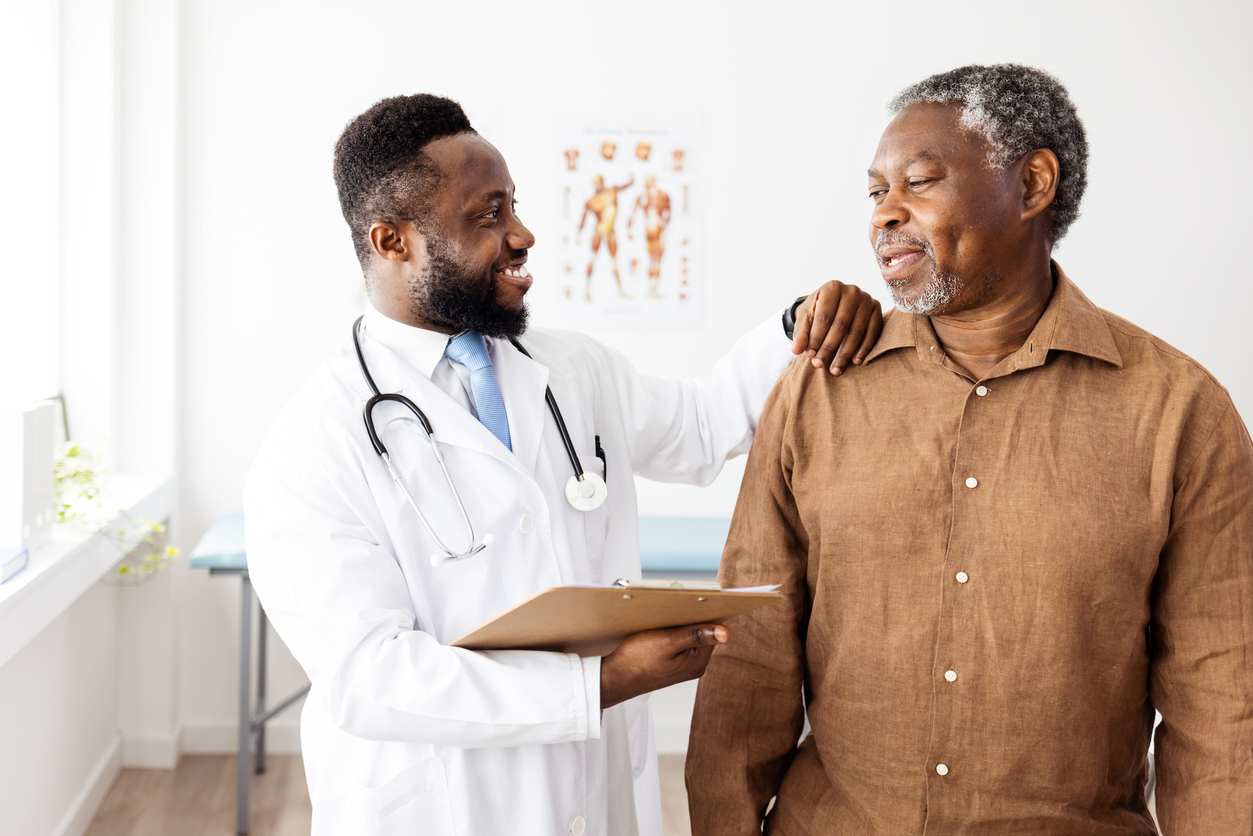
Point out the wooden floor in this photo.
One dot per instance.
(674, 819)
(198, 799)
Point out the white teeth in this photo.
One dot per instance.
(893, 260)
(519, 272)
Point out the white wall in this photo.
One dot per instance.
(59, 736)
(91, 692)
(792, 100)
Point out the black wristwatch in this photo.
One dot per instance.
(789, 317)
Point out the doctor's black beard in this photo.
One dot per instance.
(453, 294)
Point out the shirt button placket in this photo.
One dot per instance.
(950, 675)
(959, 510)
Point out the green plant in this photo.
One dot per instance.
(82, 500)
(149, 552)
(79, 488)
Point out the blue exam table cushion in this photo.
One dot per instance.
(682, 544)
(222, 546)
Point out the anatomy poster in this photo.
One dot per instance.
(628, 222)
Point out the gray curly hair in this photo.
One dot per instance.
(1017, 109)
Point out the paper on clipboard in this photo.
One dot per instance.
(593, 620)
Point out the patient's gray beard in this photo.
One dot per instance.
(940, 289)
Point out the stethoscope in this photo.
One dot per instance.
(584, 491)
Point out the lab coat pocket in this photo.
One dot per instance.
(421, 791)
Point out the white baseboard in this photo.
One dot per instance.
(155, 752)
(84, 806)
(281, 738)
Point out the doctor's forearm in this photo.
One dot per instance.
(496, 699)
(686, 430)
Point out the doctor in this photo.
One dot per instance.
(402, 734)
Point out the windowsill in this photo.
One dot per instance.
(61, 570)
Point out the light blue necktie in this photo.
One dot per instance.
(470, 350)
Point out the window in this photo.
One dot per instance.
(30, 232)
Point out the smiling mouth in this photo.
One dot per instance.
(899, 253)
(899, 265)
(900, 258)
(519, 272)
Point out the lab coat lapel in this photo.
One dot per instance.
(522, 382)
(450, 422)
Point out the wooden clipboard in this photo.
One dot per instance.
(593, 621)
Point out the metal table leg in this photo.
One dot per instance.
(250, 723)
(245, 708)
(262, 622)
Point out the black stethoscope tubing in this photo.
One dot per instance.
(379, 397)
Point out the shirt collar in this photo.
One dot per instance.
(1070, 322)
(420, 348)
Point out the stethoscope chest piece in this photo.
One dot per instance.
(587, 494)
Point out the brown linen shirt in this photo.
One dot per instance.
(989, 588)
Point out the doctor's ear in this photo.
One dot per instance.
(388, 242)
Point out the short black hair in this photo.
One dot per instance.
(381, 171)
(1017, 109)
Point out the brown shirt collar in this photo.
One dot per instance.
(1070, 323)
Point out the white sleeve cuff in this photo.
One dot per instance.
(591, 682)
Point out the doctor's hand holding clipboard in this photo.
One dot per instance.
(646, 630)
(657, 659)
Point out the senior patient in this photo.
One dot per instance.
(1015, 531)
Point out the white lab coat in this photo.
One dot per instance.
(402, 734)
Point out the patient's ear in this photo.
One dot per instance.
(1040, 171)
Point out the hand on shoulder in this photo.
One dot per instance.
(837, 323)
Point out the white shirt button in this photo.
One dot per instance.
(527, 524)
(962, 577)
(941, 769)
(981, 391)
(951, 676)
(971, 482)
(579, 826)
